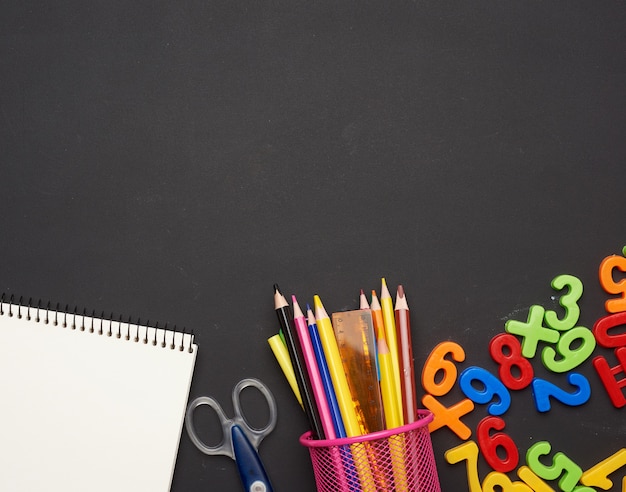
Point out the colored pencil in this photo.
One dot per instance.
(363, 304)
(342, 390)
(405, 351)
(386, 304)
(377, 315)
(387, 387)
(279, 350)
(340, 430)
(317, 386)
(339, 455)
(335, 367)
(285, 318)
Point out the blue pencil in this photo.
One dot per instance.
(352, 476)
(325, 374)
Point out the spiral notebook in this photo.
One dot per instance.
(89, 404)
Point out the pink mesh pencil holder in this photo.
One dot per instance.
(400, 460)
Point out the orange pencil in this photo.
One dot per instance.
(377, 315)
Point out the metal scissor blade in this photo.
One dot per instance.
(251, 471)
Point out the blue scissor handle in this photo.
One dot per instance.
(251, 470)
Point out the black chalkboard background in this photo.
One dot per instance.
(172, 160)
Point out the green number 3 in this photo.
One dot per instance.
(568, 301)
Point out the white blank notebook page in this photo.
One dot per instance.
(83, 411)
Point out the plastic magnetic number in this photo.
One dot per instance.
(561, 465)
(532, 480)
(598, 475)
(449, 416)
(532, 331)
(516, 372)
(467, 451)
(603, 325)
(491, 387)
(437, 364)
(543, 390)
(610, 376)
(569, 358)
(490, 443)
(496, 481)
(609, 285)
(568, 301)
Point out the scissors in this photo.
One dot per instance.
(240, 440)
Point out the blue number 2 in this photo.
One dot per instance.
(543, 390)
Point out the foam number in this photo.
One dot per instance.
(467, 451)
(491, 387)
(449, 416)
(439, 374)
(608, 283)
(496, 481)
(598, 475)
(613, 378)
(532, 331)
(569, 302)
(603, 325)
(570, 358)
(515, 371)
(494, 446)
(544, 390)
(561, 465)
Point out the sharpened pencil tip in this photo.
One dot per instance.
(297, 312)
(279, 298)
(320, 312)
(401, 299)
(363, 304)
(384, 291)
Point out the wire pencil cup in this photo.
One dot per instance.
(400, 460)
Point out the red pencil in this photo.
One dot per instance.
(405, 354)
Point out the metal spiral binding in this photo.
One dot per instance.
(102, 325)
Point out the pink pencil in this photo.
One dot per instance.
(310, 361)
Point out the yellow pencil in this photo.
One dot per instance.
(282, 356)
(393, 417)
(387, 389)
(342, 392)
(389, 319)
(335, 368)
